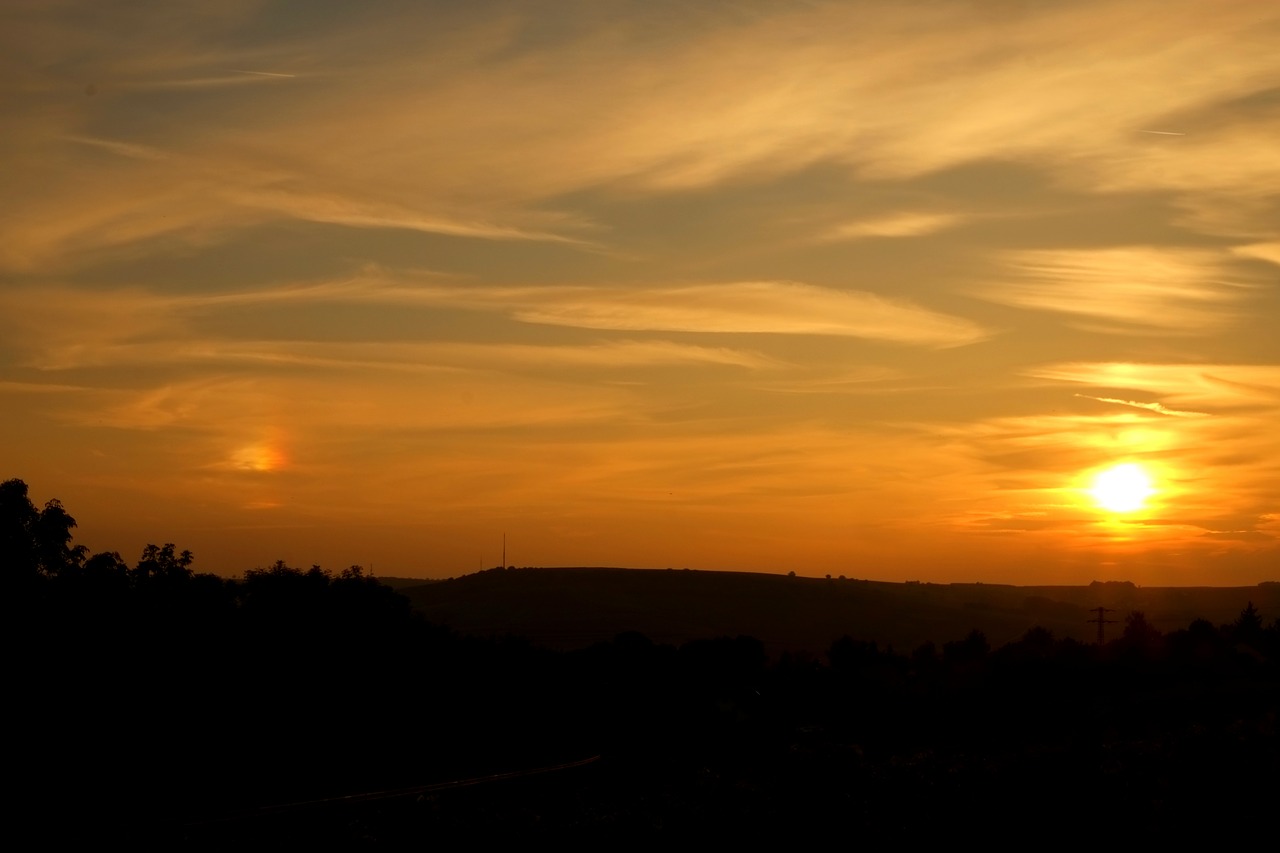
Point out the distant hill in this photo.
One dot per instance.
(404, 583)
(567, 608)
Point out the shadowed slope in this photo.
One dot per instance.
(574, 607)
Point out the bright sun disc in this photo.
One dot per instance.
(1122, 488)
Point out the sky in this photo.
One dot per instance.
(874, 288)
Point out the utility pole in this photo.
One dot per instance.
(1101, 619)
(504, 550)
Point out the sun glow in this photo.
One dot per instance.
(262, 457)
(1122, 488)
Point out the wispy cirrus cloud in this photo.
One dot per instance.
(1213, 472)
(509, 356)
(1211, 475)
(860, 380)
(152, 193)
(234, 405)
(355, 212)
(1198, 385)
(1186, 291)
(773, 307)
(904, 224)
(763, 307)
(10, 387)
(653, 218)
(1261, 251)
(886, 91)
(434, 357)
(122, 148)
(1220, 172)
(63, 328)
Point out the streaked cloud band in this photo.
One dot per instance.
(773, 307)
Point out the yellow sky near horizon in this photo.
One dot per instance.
(868, 288)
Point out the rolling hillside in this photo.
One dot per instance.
(567, 608)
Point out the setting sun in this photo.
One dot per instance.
(916, 315)
(1122, 488)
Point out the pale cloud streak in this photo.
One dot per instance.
(775, 307)
(645, 224)
(226, 408)
(1226, 182)
(1210, 474)
(604, 355)
(887, 91)
(152, 194)
(1212, 455)
(863, 380)
(357, 213)
(1261, 251)
(1212, 386)
(64, 329)
(1186, 291)
(1158, 408)
(439, 357)
(8, 387)
(905, 224)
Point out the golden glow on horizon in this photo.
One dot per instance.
(1122, 488)
(864, 288)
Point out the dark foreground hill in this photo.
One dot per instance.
(156, 708)
(567, 608)
(163, 709)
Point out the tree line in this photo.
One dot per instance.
(154, 699)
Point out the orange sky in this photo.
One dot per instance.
(863, 288)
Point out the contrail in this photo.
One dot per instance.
(1160, 132)
(1151, 407)
(261, 73)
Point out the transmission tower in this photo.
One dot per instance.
(1101, 619)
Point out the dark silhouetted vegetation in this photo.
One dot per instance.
(153, 703)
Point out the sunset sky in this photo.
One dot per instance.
(863, 288)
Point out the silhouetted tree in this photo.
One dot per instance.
(925, 655)
(18, 518)
(100, 574)
(1037, 644)
(162, 564)
(106, 563)
(1139, 633)
(1138, 644)
(849, 655)
(1038, 637)
(1248, 626)
(974, 647)
(1200, 643)
(51, 536)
